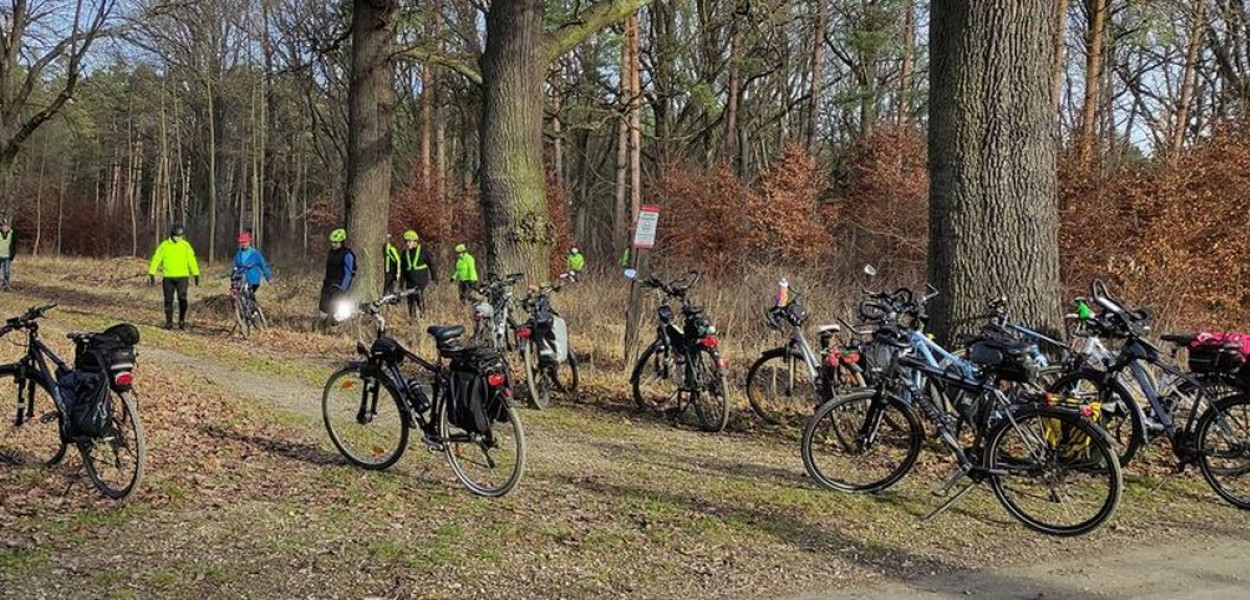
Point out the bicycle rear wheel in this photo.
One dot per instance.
(710, 399)
(364, 418)
(863, 441)
(1054, 471)
(536, 379)
(1223, 445)
(1120, 415)
(779, 385)
(487, 464)
(115, 461)
(241, 319)
(37, 441)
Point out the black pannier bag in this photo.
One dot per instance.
(472, 403)
(88, 402)
(1006, 358)
(110, 351)
(1214, 359)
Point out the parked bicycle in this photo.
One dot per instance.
(682, 370)
(89, 405)
(546, 351)
(1049, 466)
(461, 403)
(492, 316)
(795, 378)
(1204, 430)
(248, 315)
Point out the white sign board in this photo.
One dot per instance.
(648, 222)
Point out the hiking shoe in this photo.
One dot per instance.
(169, 324)
(182, 325)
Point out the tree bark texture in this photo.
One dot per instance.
(1060, 53)
(993, 216)
(519, 231)
(371, 99)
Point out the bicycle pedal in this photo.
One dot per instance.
(432, 444)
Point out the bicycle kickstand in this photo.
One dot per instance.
(951, 502)
(1180, 468)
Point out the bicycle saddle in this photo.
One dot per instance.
(1180, 339)
(445, 333)
(835, 328)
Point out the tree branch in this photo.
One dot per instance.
(587, 23)
(461, 65)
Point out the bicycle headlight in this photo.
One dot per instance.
(343, 310)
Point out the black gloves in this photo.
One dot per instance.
(197, 281)
(151, 280)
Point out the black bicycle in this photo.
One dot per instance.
(461, 403)
(114, 451)
(546, 351)
(683, 369)
(248, 315)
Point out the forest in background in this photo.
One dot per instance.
(772, 133)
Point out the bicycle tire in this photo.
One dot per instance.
(1126, 424)
(569, 366)
(762, 373)
(1102, 465)
(645, 361)
(535, 380)
(240, 319)
(1219, 476)
(339, 433)
(138, 452)
(456, 443)
(911, 438)
(713, 384)
(38, 429)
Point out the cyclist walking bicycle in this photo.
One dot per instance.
(175, 259)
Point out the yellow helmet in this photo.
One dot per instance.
(338, 235)
(411, 236)
(461, 248)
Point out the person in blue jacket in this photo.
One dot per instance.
(251, 263)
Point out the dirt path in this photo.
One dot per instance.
(1207, 569)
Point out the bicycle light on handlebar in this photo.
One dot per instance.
(343, 310)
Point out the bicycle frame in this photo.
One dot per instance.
(37, 356)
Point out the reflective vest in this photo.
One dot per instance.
(392, 259)
(411, 258)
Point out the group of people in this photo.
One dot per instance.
(408, 268)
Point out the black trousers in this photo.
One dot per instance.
(172, 286)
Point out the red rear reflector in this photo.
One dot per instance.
(124, 379)
(850, 358)
(495, 379)
(710, 342)
(524, 333)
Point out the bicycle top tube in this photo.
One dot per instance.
(1034, 335)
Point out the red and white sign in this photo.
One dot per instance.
(648, 222)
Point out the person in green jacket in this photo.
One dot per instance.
(8, 250)
(466, 272)
(576, 262)
(392, 268)
(175, 258)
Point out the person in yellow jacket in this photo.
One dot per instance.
(175, 258)
(465, 275)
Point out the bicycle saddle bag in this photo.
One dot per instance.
(1007, 359)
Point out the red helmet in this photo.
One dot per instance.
(245, 237)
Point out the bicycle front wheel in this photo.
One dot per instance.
(779, 385)
(1120, 416)
(710, 398)
(115, 461)
(241, 318)
(864, 441)
(536, 380)
(1054, 471)
(487, 464)
(37, 440)
(1223, 445)
(364, 418)
(656, 379)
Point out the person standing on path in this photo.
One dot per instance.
(8, 250)
(391, 268)
(175, 258)
(340, 271)
(466, 272)
(417, 271)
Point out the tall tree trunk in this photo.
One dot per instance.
(993, 219)
(635, 117)
(620, 207)
(371, 98)
(909, 59)
(212, 172)
(557, 128)
(731, 104)
(43, 161)
(513, 185)
(1197, 30)
(818, 73)
(1059, 52)
(1088, 131)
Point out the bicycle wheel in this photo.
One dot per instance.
(779, 385)
(1120, 416)
(566, 377)
(536, 380)
(864, 441)
(488, 464)
(115, 461)
(656, 379)
(365, 419)
(37, 441)
(1223, 446)
(258, 317)
(710, 398)
(241, 319)
(1054, 471)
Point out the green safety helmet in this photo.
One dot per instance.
(338, 235)
(411, 236)
(461, 248)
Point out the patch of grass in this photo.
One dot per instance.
(16, 562)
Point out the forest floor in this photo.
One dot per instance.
(245, 496)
